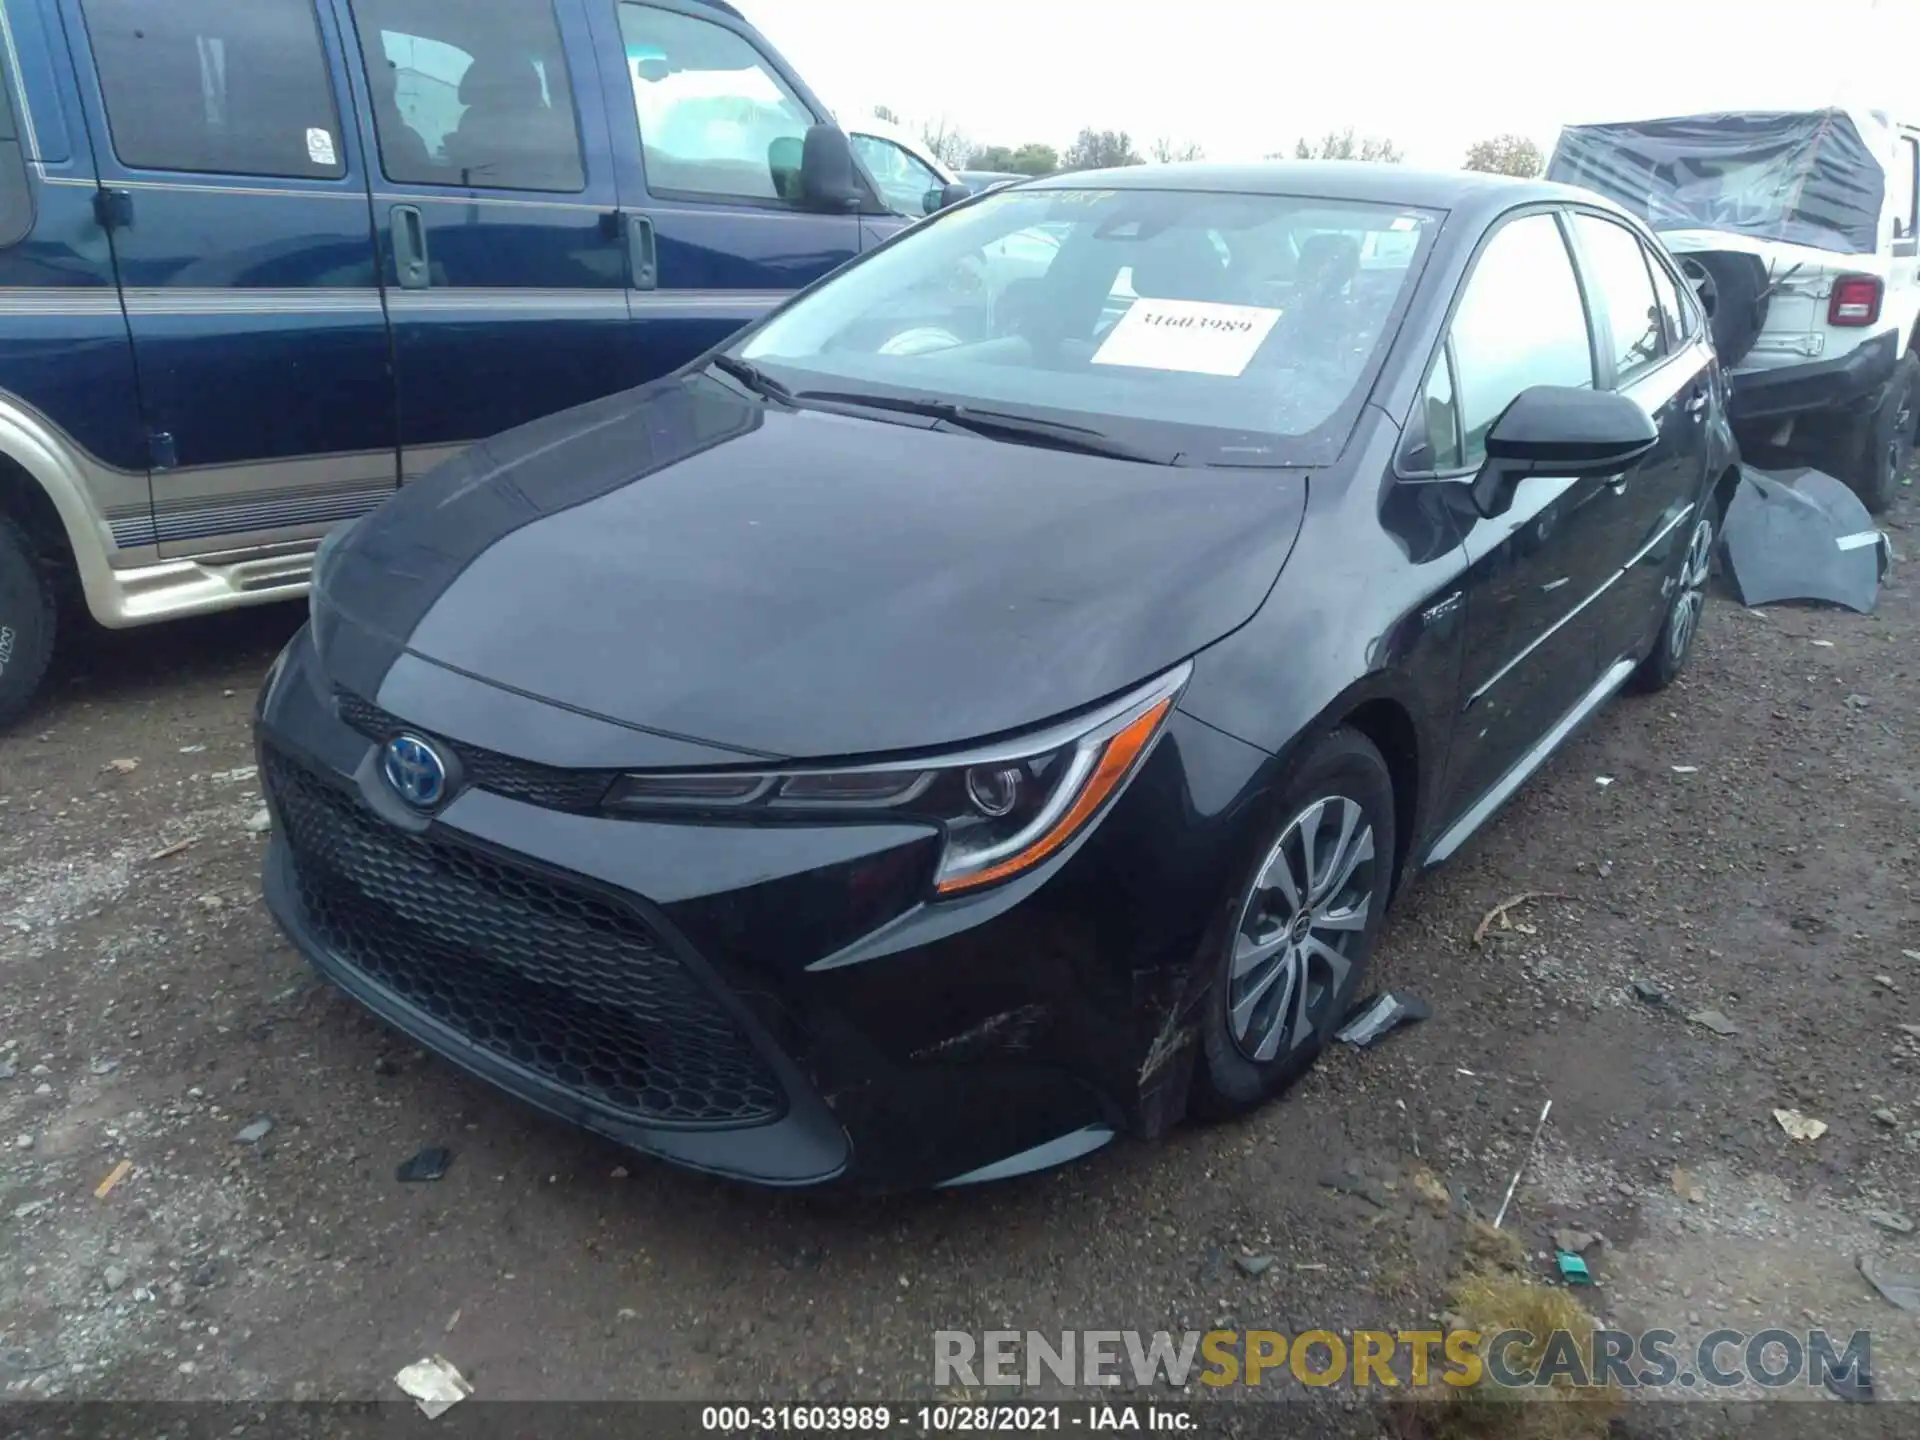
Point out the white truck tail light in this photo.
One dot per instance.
(1855, 300)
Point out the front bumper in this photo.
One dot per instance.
(780, 1004)
(1824, 385)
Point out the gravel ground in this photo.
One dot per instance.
(1754, 853)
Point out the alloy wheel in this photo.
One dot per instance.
(1691, 599)
(1299, 925)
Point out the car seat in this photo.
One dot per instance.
(509, 135)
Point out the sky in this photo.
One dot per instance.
(1243, 78)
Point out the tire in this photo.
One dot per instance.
(1685, 607)
(1733, 291)
(1881, 446)
(28, 616)
(1263, 1029)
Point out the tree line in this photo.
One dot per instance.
(1095, 149)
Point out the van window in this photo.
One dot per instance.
(211, 86)
(16, 196)
(467, 94)
(715, 118)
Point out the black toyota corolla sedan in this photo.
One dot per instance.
(987, 706)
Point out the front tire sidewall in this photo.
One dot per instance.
(1343, 763)
(27, 618)
(1871, 475)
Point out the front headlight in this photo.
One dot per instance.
(1002, 808)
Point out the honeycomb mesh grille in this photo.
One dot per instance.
(550, 787)
(556, 979)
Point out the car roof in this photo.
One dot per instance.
(1330, 180)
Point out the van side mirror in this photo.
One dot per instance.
(951, 194)
(1559, 430)
(827, 178)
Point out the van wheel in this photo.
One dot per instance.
(1290, 947)
(1883, 442)
(28, 613)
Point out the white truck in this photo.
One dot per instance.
(1797, 229)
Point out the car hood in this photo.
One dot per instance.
(686, 560)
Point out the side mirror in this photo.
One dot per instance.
(951, 194)
(827, 179)
(1559, 430)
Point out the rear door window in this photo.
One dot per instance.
(1617, 265)
(211, 86)
(716, 119)
(1520, 323)
(1675, 314)
(471, 95)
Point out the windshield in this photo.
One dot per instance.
(1804, 179)
(1229, 329)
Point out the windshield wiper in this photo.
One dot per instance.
(753, 377)
(1001, 424)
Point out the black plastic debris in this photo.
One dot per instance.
(1802, 535)
(1374, 1017)
(430, 1164)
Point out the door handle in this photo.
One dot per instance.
(1697, 402)
(1617, 483)
(643, 257)
(113, 208)
(410, 247)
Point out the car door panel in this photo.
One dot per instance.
(504, 268)
(1532, 584)
(68, 357)
(235, 203)
(695, 100)
(1662, 493)
(1534, 573)
(1634, 300)
(876, 230)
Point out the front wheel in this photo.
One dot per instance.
(1298, 926)
(1685, 605)
(1882, 445)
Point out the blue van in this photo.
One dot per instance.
(262, 261)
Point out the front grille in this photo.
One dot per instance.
(573, 987)
(548, 786)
